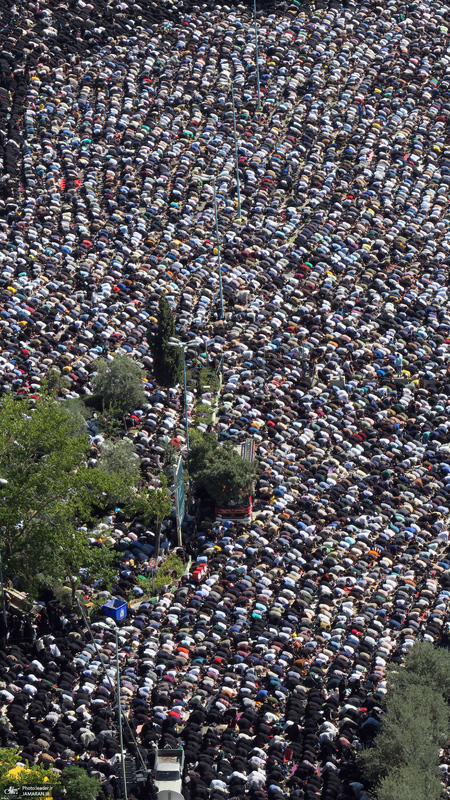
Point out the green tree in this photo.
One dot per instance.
(413, 728)
(49, 491)
(75, 554)
(55, 380)
(407, 783)
(9, 756)
(119, 384)
(171, 454)
(78, 413)
(12, 775)
(79, 785)
(428, 664)
(220, 470)
(167, 360)
(204, 448)
(153, 505)
(404, 761)
(120, 458)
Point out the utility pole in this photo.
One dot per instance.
(186, 421)
(173, 342)
(182, 345)
(108, 678)
(257, 58)
(216, 219)
(206, 179)
(236, 153)
(5, 618)
(3, 482)
(122, 754)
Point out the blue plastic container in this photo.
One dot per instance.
(116, 609)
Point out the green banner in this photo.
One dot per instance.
(180, 500)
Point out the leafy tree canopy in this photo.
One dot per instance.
(404, 761)
(407, 783)
(426, 663)
(119, 384)
(120, 458)
(75, 554)
(152, 505)
(79, 785)
(55, 380)
(49, 491)
(220, 470)
(167, 360)
(13, 775)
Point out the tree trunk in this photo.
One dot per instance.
(157, 539)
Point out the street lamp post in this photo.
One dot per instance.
(216, 219)
(207, 179)
(5, 618)
(3, 482)
(257, 57)
(183, 345)
(122, 753)
(236, 153)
